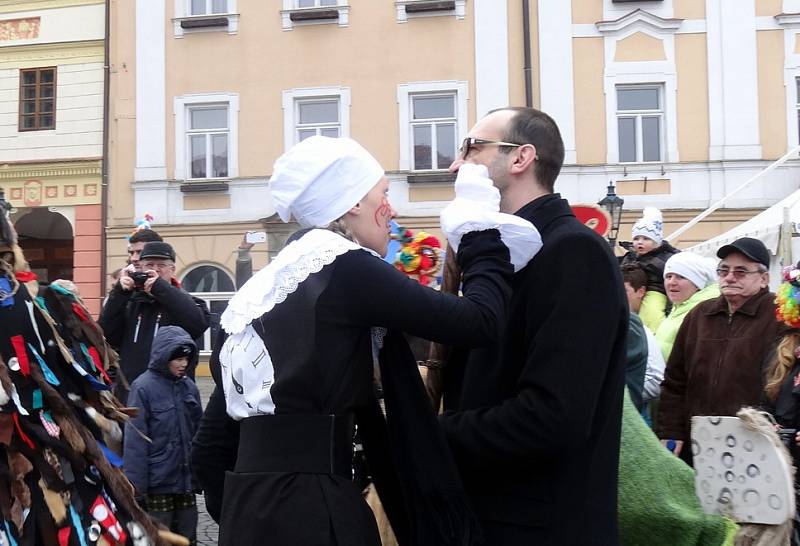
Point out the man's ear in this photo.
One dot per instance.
(642, 291)
(524, 159)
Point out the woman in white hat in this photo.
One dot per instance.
(688, 280)
(305, 333)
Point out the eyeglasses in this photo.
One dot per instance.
(738, 273)
(469, 142)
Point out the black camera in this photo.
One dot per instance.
(787, 437)
(139, 278)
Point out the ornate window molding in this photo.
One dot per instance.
(186, 23)
(292, 15)
(411, 9)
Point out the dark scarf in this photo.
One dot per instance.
(408, 451)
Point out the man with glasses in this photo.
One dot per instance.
(715, 364)
(143, 302)
(534, 422)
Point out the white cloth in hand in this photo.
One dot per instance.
(477, 208)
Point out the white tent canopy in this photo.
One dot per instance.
(766, 227)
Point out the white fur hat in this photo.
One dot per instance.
(318, 180)
(650, 225)
(701, 271)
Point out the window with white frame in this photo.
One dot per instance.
(315, 111)
(314, 3)
(317, 116)
(207, 137)
(433, 117)
(314, 12)
(197, 16)
(640, 123)
(433, 125)
(215, 287)
(208, 7)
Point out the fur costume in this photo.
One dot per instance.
(60, 481)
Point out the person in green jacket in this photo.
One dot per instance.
(656, 502)
(688, 279)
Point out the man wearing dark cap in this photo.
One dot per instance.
(715, 364)
(139, 305)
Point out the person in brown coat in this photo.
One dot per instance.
(715, 364)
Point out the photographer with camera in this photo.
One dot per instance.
(142, 302)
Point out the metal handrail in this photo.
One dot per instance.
(777, 163)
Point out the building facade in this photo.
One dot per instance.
(51, 135)
(676, 102)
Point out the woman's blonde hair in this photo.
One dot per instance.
(340, 227)
(781, 364)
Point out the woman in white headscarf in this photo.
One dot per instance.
(688, 280)
(305, 333)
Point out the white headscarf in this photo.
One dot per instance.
(701, 271)
(318, 180)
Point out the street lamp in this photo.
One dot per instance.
(613, 204)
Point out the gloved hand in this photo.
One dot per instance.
(477, 208)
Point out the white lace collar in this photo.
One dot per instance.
(273, 284)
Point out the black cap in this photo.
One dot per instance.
(157, 249)
(752, 248)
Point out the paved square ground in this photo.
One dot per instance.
(207, 530)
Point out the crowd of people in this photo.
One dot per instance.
(555, 407)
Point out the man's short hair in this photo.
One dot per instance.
(145, 236)
(634, 275)
(532, 126)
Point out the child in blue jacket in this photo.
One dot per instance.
(169, 412)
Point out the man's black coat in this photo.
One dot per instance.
(131, 319)
(534, 423)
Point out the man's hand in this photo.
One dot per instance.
(125, 282)
(148, 284)
(675, 446)
(244, 245)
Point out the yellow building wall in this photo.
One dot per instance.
(771, 94)
(371, 56)
(768, 7)
(689, 9)
(212, 243)
(590, 107)
(122, 115)
(8, 6)
(586, 11)
(692, 97)
(639, 47)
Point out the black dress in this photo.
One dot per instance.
(320, 344)
(786, 410)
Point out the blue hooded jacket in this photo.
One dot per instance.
(169, 412)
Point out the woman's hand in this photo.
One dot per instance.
(675, 446)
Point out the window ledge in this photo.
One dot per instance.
(431, 177)
(204, 186)
(790, 20)
(217, 22)
(315, 16)
(410, 9)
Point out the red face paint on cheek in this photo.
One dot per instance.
(382, 212)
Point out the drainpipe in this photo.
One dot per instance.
(526, 41)
(104, 168)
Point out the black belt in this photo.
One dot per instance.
(309, 444)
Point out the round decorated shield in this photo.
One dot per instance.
(594, 217)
